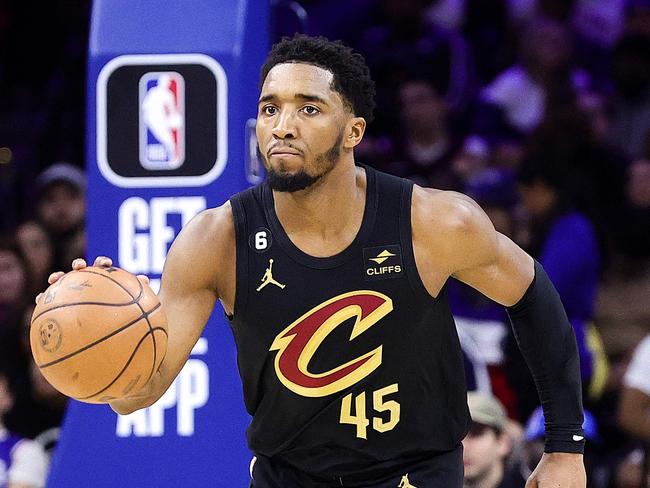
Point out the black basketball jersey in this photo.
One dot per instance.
(350, 367)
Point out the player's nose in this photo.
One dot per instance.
(285, 127)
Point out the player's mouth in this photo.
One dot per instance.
(283, 153)
(284, 150)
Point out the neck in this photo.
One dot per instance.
(329, 209)
(488, 479)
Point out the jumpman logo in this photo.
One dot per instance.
(405, 483)
(268, 278)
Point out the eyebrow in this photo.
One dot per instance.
(299, 96)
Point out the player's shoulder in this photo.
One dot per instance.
(452, 227)
(211, 230)
(204, 250)
(446, 212)
(215, 218)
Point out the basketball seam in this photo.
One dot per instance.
(57, 307)
(86, 270)
(142, 339)
(133, 298)
(88, 346)
(153, 339)
(146, 316)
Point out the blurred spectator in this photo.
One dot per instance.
(631, 104)
(42, 391)
(479, 320)
(477, 376)
(487, 446)
(425, 146)
(534, 447)
(634, 409)
(39, 408)
(590, 170)
(471, 159)
(632, 237)
(616, 444)
(638, 185)
(515, 102)
(35, 245)
(599, 22)
(597, 25)
(634, 412)
(13, 280)
(9, 190)
(485, 25)
(494, 189)
(637, 17)
(564, 242)
(447, 14)
(23, 462)
(401, 42)
(61, 208)
(628, 471)
(594, 106)
(351, 20)
(76, 247)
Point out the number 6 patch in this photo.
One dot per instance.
(260, 240)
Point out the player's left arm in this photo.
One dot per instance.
(476, 254)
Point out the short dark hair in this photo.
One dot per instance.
(351, 74)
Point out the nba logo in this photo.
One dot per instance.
(162, 120)
(168, 120)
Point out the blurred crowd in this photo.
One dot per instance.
(537, 109)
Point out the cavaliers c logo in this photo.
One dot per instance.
(297, 344)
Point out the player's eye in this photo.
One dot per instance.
(269, 110)
(310, 110)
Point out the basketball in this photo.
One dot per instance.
(98, 334)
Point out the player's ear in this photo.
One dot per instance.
(354, 130)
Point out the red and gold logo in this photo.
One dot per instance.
(297, 344)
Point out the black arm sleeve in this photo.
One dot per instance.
(548, 344)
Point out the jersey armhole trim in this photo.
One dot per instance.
(241, 257)
(406, 239)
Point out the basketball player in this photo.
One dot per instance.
(333, 278)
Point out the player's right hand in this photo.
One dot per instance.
(80, 263)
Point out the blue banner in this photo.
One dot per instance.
(172, 92)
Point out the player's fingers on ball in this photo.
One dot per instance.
(79, 263)
(103, 261)
(144, 279)
(54, 277)
(38, 297)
